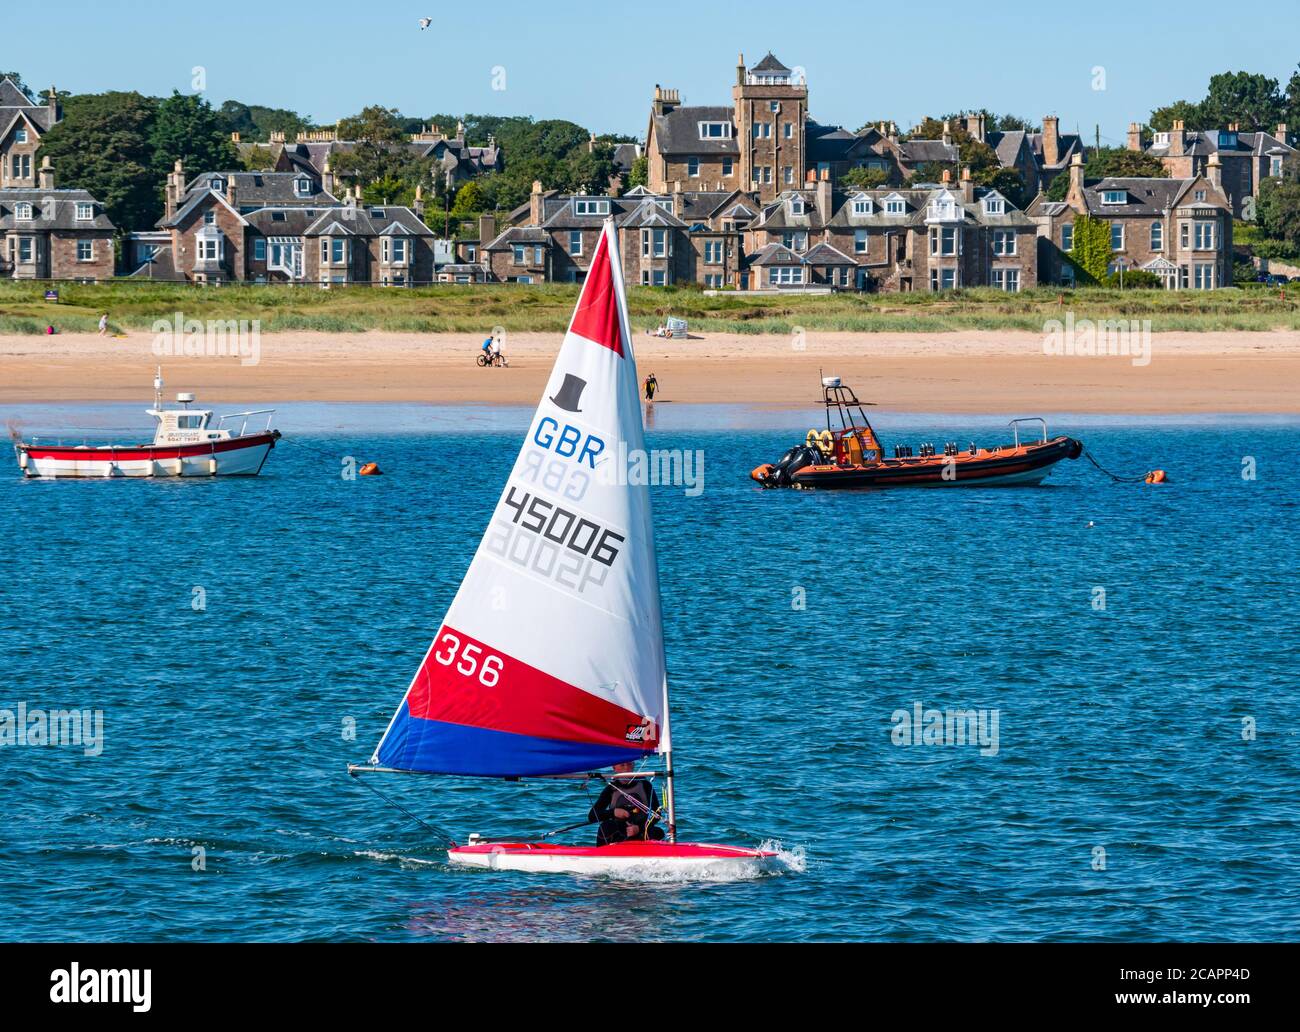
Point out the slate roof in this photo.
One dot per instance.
(825, 254)
(369, 220)
(519, 235)
(16, 105)
(1066, 145)
(769, 64)
(61, 214)
(678, 131)
(1144, 196)
(625, 154)
(776, 254)
(829, 142)
(918, 151)
(260, 189)
(1204, 143)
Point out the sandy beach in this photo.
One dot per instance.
(938, 372)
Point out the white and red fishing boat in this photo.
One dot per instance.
(185, 444)
(550, 661)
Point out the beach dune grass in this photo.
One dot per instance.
(136, 305)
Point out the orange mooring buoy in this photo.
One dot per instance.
(1157, 476)
(371, 469)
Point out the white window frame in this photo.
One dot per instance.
(797, 206)
(693, 166)
(861, 241)
(1203, 236)
(1004, 241)
(1157, 236)
(85, 211)
(1114, 196)
(89, 245)
(1067, 237)
(728, 167)
(575, 243)
(22, 212)
(862, 206)
(995, 206)
(20, 135)
(1120, 227)
(302, 187)
(591, 206)
(706, 133)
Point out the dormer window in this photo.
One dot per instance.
(85, 211)
(378, 213)
(1198, 195)
(715, 130)
(1228, 139)
(862, 206)
(1113, 197)
(666, 203)
(591, 206)
(994, 205)
(894, 205)
(797, 206)
(23, 212)
(217, 183)
(1161, 140)
(302, 186)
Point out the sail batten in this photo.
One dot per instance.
(550, 659)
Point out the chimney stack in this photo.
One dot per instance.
(46, 175)
(535, 204)
(418, 205)
(1134, 136)
(824, 196)
(976, 126)
(1051, 140)
(52, 102)
(1075, 197)
(327, 178)
(487, 229)
(1215, 172)
(1177, 139)
(967, 186)
(234, 138)
(1281, 133)
(175, 188)
(230, 191)
(740, 69)
(947, 133)
(946, 178)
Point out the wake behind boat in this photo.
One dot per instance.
(550, 660)
(185, 444)
(850, 455)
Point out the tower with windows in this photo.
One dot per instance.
(771, 107)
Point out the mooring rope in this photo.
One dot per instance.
(1118, 479)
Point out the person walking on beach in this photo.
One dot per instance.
(651, 385)
(497, 357)
(103, 325)
(626, 809)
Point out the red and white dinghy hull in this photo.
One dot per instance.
(635, 860)
(236, 457)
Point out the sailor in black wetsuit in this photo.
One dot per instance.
(626, 809)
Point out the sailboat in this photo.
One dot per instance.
(550, 660)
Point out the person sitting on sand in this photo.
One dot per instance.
(103, 325)
(627, 809)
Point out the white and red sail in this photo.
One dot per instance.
(550, 659)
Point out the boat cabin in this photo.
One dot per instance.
(185, 425)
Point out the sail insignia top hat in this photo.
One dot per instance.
(570, 393)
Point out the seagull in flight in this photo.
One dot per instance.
(425, 23)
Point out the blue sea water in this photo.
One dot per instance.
(1127, 800)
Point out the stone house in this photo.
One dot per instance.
(47, 233)
(1246, 159)
(281, 227)
(1179, 229)
(940, 237)
(22, 124)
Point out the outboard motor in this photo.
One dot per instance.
(795, 459)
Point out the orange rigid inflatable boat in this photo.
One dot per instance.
(850, 455)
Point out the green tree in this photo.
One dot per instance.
(1191, 115)
(255, 123)
(374, 124)
(1277, 211)
(1249, 99)
(470, 201)
(865, 178)
(640, 174)
(187, 128)
(104, 145)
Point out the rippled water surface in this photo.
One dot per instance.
(1123, 729)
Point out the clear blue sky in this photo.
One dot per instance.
(597, 64)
